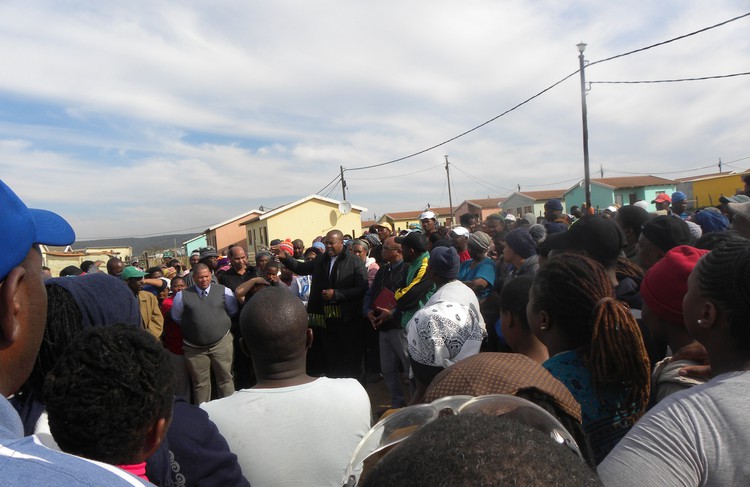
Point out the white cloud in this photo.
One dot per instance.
(187, 113)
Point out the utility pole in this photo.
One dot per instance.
(601, 170)
(584, 117)
(719, 165)
(343, 182)
(450, 196)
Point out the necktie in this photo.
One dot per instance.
(204, 293)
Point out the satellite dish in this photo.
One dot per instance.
(345, 207)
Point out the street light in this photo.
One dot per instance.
(586, 176)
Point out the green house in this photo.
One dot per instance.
(620, 191)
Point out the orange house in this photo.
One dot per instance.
(226, 233)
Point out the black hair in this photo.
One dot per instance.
(71, 270)
(86, 265)
(577, 294)
(496, 216)
(466, 218)
(632, 217)
(200, 266)
(274, 325)
(480, 449)
(177, 278)
(152, 270)
(514, 297)
(272, 264)
(724, 278)
(64, 323)
(312, 250)
(106, 391)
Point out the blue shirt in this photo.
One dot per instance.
(24, 461)
(604, 413)
(484, 270)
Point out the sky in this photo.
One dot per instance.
(145, 118)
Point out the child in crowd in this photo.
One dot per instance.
(514, 298)
(109, 397)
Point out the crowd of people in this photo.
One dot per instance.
(628, 328)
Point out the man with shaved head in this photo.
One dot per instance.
(339, 282)
(293, 429)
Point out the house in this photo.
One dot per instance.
(402, 219)
(519, 204)
(229, 232)
(58, 258)
(482, 207)
(366, 224)
(306, 219)
(194, 243)
(620, 191)
(705, 190)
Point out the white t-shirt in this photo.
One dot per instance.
(699, 436)
(294, 436)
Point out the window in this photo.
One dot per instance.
(618, 199)
(527, 209)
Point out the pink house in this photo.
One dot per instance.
(226, 233)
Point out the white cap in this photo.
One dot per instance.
(426, 215)
(461, 231)
(642, 203)
(510, 217)
(613, 209)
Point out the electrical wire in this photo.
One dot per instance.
(702, 78)
(550, 184)
(398, 176)
(371, 166)
(159, 234)
(670, 40)
(338, 176)
(480, 182)
(658, 173)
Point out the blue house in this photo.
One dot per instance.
(194, 243)
(620, 191)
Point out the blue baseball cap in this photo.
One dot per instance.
(678, 196)
(24, 227)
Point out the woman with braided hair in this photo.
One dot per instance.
(595, 345)
(701, 436)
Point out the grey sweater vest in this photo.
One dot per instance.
(204, 321)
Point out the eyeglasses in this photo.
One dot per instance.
(403, 423)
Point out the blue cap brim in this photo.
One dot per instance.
(51, 228)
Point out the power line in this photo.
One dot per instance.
(702, 78)
(329, 183)
(159, 234)
(550, 184)
(657, 173)
(480, 182)
(670, 40)
(467, 131)
(391, 177)
(371, 166)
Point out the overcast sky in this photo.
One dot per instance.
(141, 117)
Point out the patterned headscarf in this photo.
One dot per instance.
(443, 333)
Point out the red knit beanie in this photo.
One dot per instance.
(665, 284)
(287, 246)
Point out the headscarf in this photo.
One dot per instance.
(443, 333)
